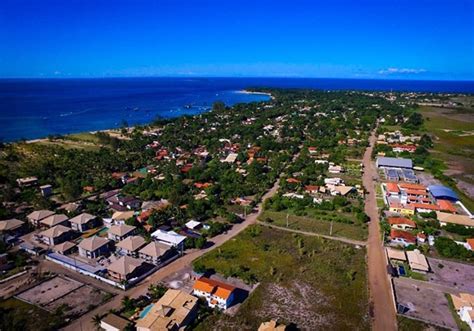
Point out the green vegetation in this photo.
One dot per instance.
(448, 248)
(19, 315)
(408, 324)
(315, 277)
(315, 225)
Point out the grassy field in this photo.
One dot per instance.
(23, 316)
(307, 281)
(454, 144)
(316, 225)
(408, 324)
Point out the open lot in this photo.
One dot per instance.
(49, 290)
(453, 274)
(424, 303)
(303, 280)
(317, 224)
(79, 301)
(454, 144)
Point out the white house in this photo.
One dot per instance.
(217, 294)
(169, 238)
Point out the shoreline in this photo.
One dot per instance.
(117, 130)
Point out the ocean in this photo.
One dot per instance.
(35, 108)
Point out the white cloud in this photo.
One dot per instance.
(392, 70)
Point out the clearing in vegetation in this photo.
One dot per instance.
(308, 281)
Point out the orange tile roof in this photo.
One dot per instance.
(293, 180)
(446, 205)
(470, 241)
(219, 289)
(416, 192)
(402, 234)
(425, 206)
(409, 186)
(203, 286)
(392, 187)
(401, 220)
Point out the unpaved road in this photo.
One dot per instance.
(384, 316)
(314, 234)
(85, 321)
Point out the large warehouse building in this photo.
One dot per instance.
(443, 192)
(393, 162)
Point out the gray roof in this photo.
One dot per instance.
(394, 162)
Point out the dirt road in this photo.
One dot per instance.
(306, 233)
(85, 321)
(384, 316)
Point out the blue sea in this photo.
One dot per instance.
(34, 108)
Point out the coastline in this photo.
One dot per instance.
(115, 132)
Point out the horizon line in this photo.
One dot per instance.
(234, 77)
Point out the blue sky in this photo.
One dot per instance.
(392, 39)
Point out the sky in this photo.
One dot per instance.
(381, 39)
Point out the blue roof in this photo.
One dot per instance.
(394, 162)
(440, 191)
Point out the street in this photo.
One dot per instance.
(384, 316)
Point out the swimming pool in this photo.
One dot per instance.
(145, 311)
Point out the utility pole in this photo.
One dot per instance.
(330, 230)
(287, 215)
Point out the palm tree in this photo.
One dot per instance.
(96, 319)
(127, 303)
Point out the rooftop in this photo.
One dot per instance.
(93, 243)
(124, 265)
(82, 218)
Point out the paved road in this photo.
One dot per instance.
(344, 240)
(84, 322)
(384, 316)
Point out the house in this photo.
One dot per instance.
(333, 181)
(125, 202)
(463, 304)
(125, 268)
(131, 245)
(401, 223)
(56, 219)
(10, 229)
(120, 232)
(83, 222)
(470, 244)
(231, 158)
(94, 246)
(156, 252)
(392, 189)
(27, 181)
(193, 225)
(46, 190)
(174, 311)
(417, 261)
(335, 169)
(293, 181)
(448, 218)
(36, 216)
(396, 254)
(446, 206)
(272, 326)
(424, 207)
(169, 238)
(216, 293)
(155, 205)
(55, 235)
(112, 322)
(399, 208)
(404, 238)
(311, 189)
(119, 217)
(65, 248)
(392, 162)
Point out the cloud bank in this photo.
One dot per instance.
(390, 71)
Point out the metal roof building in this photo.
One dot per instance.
(443, 192)
(393, 162)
